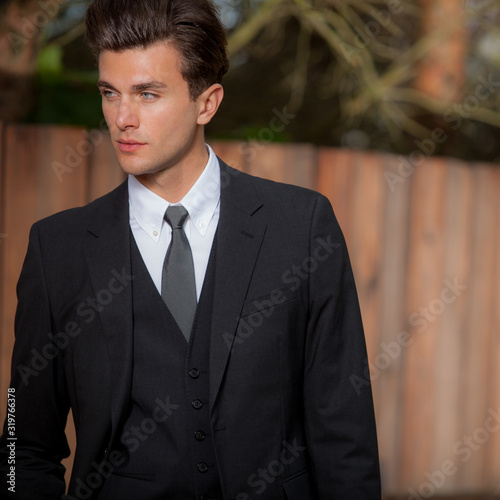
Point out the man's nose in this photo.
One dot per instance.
(127, 116)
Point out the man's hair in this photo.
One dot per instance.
(192, 27)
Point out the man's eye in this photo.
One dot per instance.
(149, 96)
(108, 93)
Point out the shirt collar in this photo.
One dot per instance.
(201, 201)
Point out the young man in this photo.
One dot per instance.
(204, 323)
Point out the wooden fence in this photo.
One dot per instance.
(424, 241)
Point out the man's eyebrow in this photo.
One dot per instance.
(104, 84)
(153, 85)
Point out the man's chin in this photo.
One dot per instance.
(135, 168)
(141, 168)
(142, 172)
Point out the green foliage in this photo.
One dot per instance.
(50, 61)
(67, 99)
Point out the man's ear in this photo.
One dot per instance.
(209, 102)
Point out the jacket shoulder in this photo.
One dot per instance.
(279, 193)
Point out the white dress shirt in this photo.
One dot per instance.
(153, 235)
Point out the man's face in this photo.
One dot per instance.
(153, 121)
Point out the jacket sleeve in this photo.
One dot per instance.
(340, 421)
(40, 397)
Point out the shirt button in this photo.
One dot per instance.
(201, 225)
(202, 467)
(199, 435)
(197, 404)
(155, 233)
(194, 373)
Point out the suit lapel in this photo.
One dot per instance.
(240, 234)
(108, 256)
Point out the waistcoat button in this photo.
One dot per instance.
(197, 404)
(202, 467)
(194, 373)
(199, 435)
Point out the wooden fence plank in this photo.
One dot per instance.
(368, 205)
(450, 337)
(478, 344)
(366, 251)
(424, 285)
(394, 337)
(493, 447)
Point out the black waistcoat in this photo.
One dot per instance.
(167, 438)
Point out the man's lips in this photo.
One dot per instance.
(129, 146)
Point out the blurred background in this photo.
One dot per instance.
(363, 74)
(390, 108)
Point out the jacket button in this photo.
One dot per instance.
(202, 467)
(199, 435)
(197, 404)
(194, 373)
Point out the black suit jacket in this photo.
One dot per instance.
(286, 344)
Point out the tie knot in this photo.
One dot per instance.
(175, 216)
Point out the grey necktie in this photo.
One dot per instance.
(178, 287)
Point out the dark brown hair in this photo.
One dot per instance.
(192, 27)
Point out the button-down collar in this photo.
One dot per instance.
(201, 201)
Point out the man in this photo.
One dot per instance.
(204, 323)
